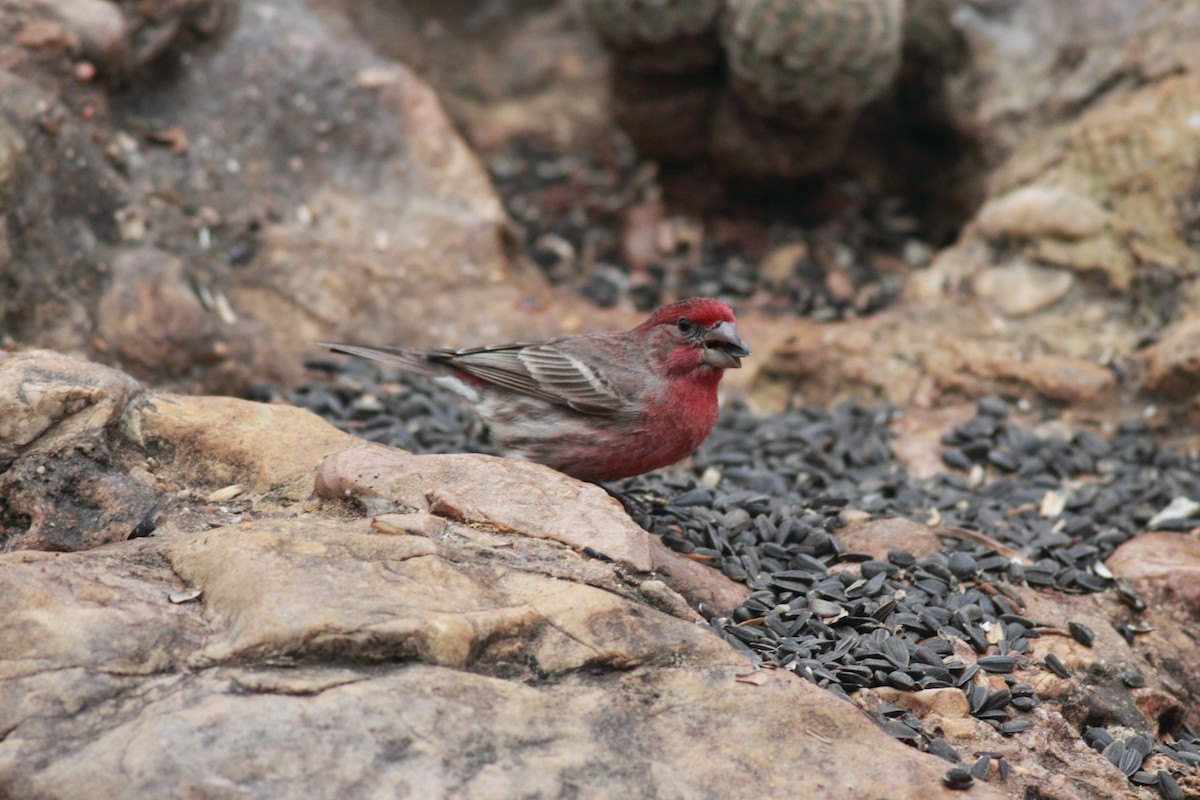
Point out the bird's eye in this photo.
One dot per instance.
(685, 325)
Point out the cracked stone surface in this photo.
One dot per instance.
(432, 648)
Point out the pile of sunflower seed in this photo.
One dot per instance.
(762, 498)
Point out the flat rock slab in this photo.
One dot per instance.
(324, 658)
(504, 494)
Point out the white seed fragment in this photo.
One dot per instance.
(227, 493)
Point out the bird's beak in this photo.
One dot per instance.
(723, 348)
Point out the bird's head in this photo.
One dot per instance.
(698, 326)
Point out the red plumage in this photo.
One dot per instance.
(597, 406)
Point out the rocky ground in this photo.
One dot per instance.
(943, 540)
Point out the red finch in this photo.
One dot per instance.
(597, 406)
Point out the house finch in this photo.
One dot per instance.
(597, 406)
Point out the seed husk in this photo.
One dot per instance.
(1131, 761)
(957, 778)
(1114, 752)
(997, 664)
(1056, 666)
(1168, 787)
(942, 749)
(1081, 633)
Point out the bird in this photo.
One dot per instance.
(595, 406)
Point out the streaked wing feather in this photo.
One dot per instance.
(543, 371)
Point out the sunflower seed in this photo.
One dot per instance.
(957, 778)
(1054, 665)
(1114, 752)
(1168, 787)
(1081, 633)
(942, 749)
(1131, 761)
(999, 664)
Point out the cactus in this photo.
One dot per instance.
(657, 36)
(811, 59)
(766, 87)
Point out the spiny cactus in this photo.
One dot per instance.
(657, 36)
(784, 80)
(810, 59)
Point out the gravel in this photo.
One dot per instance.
(580, 214)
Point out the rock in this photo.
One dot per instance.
(100, 29)
(920, 426)
(297, 588)
(480, 660)
(1165, 567)
(152, 319)
(1059, 378)
(1118, 188)
(1097, 692)
(880, 536)
(47, 400)
(1022, 72)
(273, 451)
(88, 454)
(1033, 211)
(58, 488)
(1173, 362)
(354, 213)
(1020, 289)
(949, 703)
(12, 149)
(521, 496)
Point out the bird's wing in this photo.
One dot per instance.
(547, 371)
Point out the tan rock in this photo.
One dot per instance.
(50, 399)
(1034, 211)
(1165, 567)
(370, 634)
(1173, 362)
(501, 493)
(960, 728)
(879, 536)
(1132, 155)
(296, 589)
(59, 484)
(1017, 290)
(1022, 75)
(152, 319)
(1056, 377)
(99, 28)
(215, 442)
(12, 151)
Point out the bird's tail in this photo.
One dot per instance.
(412, 360)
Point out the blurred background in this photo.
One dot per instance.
(922, 202)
